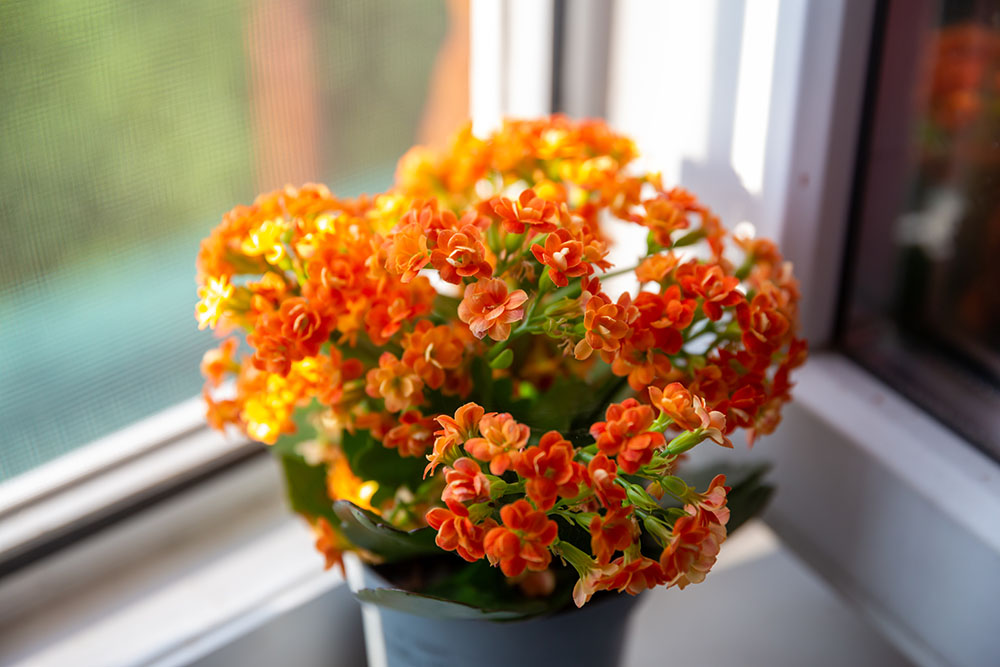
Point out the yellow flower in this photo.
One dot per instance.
(213, 301)
(389, 208)
(343, 484)
(265, 239)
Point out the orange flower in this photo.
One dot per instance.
(502, 441)
(331, 275)
(522, 542)
(413, 435)
(378, 423)
(220, 414)
(710, 282)
(678, 404)
(296, 331)
(656, 268)
(336, 371)
(330, 544)
(395, 382)
(596, 579)
(267, 294)
(633, 577)
(712, 501)
(549, 470)
(692, 550)
(343, 484)
(529, 211)
(406, 251)
(488, 309)
(465, 483)
(217, 362)
(760, 250)
(711, 383)
(601, 473)
(713, 423)
(642, 367)
(764, 326)
(690, 412)
(454, 432)
(461, 254)
(742, 407)
(625, 434)
(667, 213)
(616, 531)
(456, 532)
(431, 350)
(394, 305)
(606, 324)
(563, 255)
(675, 314)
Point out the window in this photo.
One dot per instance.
(129, 128)
(860, 469)
(923, 309)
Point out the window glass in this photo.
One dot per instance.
(129, 127)
(923, 306)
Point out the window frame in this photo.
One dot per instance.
(71, 528)
(863, 473)
(811, 192)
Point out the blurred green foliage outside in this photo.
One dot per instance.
(127, 130)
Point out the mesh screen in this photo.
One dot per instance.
(128, 127)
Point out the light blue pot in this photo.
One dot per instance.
(593, 636)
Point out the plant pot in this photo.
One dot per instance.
(593, 635)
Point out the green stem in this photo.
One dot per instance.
(619, 272)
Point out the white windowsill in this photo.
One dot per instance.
(223, 574)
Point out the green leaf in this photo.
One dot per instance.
(429, 605)
(476, 586)
(305, 486)
(444, 308)
(556, 408)
(369, 459)
(304, 430)
(369, 531)
(503, 360)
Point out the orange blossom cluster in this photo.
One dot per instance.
(373, 315)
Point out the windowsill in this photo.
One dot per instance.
(894, 510)
(197, 568)
(238, 607)
(243, 580)
(204, 577)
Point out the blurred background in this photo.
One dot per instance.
(863, 135)
(129, 127)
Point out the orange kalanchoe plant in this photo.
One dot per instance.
(441, 369)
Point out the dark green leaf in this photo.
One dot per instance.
(305, 486)
(428, 605)
(369, 531)
(444, 308)
(556, 408)
(371, 460)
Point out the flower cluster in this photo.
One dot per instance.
(416, 333)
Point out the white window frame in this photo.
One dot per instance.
(873, 493)
(861, 471)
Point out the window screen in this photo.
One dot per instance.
(129, 127)
(923, 304)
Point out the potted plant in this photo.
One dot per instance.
(459, 402)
